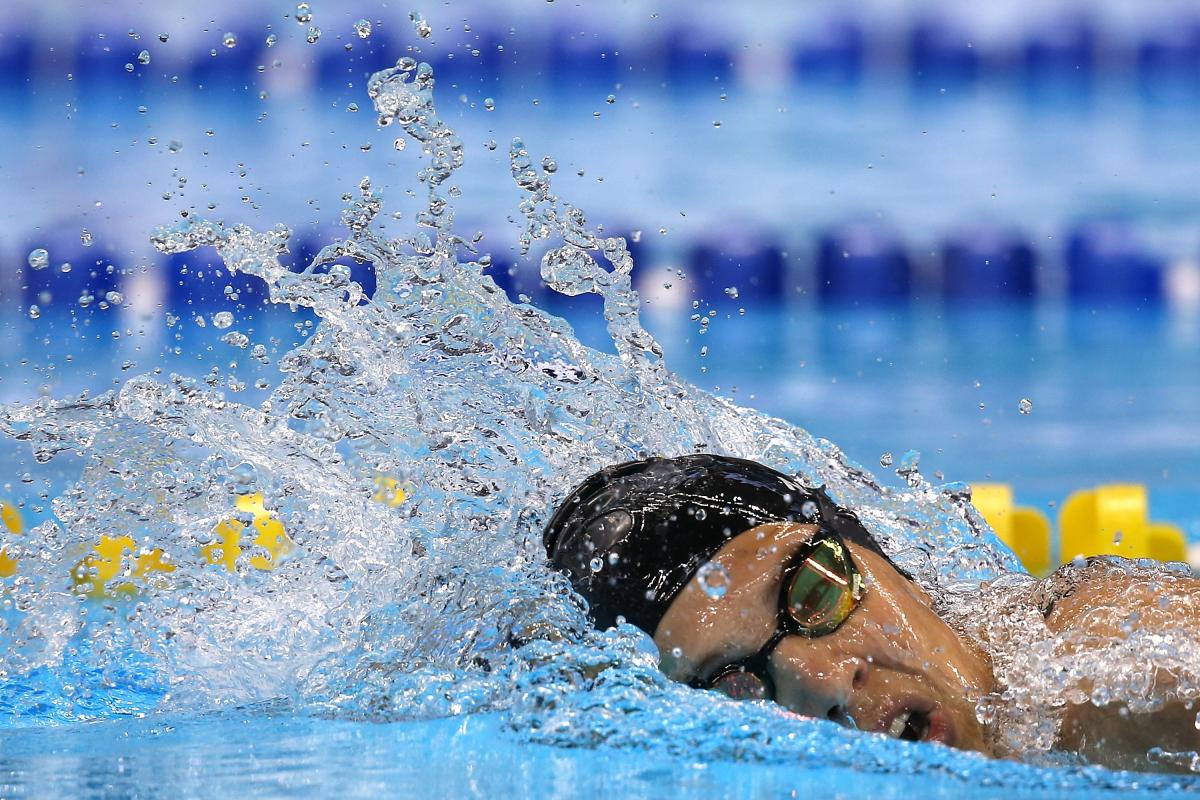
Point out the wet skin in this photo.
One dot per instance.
(892, 658)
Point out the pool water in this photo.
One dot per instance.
(275, 755)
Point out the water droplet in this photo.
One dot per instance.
(129, 67)
(34, 312)
(700, 514)
(612, 98)
(885, 460)
(1025, 406)
(363, 28)
(399, 144)
(549, 165)
(809, 510)
(114, 298)
(39, 258)
(303, 13)
(144, 57)
(229, 40)
(222, 319)
(732, 292)
(272, 39)
(713, 579)
(85, 237)
(312, 35)
(420, 25)
(164, 37)
(489, 104)
(596, 564)
(716, 123)
(175, 145)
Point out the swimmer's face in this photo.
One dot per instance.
(893, 665)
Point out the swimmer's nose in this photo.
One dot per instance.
(813, 679)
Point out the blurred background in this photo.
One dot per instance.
(967, 231)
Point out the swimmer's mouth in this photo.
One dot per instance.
(918, 721)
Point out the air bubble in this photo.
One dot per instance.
(229, 40)
(303, 13)
(144, 57)
(596, 564)
(222, 319)
(489, 104)
(363, 28)
(885, 460)
(1025, 406)
(114, 298)
(312, 35)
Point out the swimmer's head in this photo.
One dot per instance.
(630, 537)
(808, 611)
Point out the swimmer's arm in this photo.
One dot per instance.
(1107, 609)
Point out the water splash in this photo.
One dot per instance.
(401, 471)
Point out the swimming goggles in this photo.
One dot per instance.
(820, 589)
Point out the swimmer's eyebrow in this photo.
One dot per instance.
(772, 585)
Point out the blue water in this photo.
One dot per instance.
(267, 755)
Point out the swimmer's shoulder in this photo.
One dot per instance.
(1103, 595)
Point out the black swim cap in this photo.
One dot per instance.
(630, 537)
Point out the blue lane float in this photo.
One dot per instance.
(1168, 63)
(198, 282)
(696, 57)
(337, 67)
(833, 53)
(1106, 262)
(16, 58)
(862, 262)
(101, 58)
(984, 262)
(230, 66)
(1060, 57)
(580, 56)
(746, 260)
(93, 273)
(941, 53)
(476, 61)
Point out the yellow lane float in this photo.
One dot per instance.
(1025, 530)
(11, 517)
(270, 536)
(96, 574)
(115, 567)
(390, 491)
(1114, 520)
(1108, 520)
